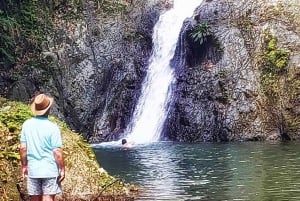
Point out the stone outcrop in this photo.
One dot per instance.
(223, 85)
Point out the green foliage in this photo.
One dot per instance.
(10, 122)
(200, 33)
(112, 7)
(8, 26)
(31, 24)
(23, 27)
(274, 63)
(276, 59)
(13, 114)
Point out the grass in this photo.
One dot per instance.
(85, 179)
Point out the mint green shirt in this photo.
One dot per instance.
(41, 136)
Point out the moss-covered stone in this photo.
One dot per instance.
(274, 63)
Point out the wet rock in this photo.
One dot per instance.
(218, 94)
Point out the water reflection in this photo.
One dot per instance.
(244, 171)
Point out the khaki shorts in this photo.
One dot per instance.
(43, 186)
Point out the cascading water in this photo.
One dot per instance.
(151, 110)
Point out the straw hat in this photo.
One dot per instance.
(41, 104)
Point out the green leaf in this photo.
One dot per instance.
(200, 33)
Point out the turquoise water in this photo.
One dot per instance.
(210, 172)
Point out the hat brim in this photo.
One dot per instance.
(41, 112)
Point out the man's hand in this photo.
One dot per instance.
(24, 171)
(61, 176)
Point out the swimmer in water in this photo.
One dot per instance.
(125, 143)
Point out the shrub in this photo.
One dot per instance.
(200, 33)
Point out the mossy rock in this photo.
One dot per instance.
(84, 177)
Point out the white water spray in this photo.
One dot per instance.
(151, 110)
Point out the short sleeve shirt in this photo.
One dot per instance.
(41, 136)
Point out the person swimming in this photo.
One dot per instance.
(125, 143)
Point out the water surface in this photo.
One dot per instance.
(233, 171)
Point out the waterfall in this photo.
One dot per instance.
(151, 109)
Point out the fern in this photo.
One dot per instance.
(200, 33)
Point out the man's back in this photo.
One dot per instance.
(41, 137)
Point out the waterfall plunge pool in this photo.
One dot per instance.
(207, 171)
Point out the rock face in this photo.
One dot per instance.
(241, 83)
(227, 88)
(98, 64)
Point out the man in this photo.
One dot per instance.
(125, 143)
(41, 152)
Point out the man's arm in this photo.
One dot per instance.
(23, 155)
(58, 155)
